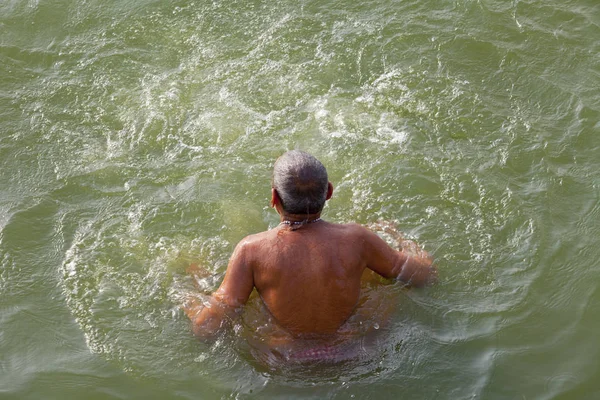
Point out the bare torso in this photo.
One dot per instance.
(308, 278)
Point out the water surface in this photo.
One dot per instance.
(137, 137)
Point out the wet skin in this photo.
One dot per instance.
(309, 278)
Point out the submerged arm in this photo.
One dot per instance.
(232, 294)
(414, 268)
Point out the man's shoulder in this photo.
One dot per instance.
(351, 228)
(358, 233)
(348, 232)
(253, 239)
(250, 246)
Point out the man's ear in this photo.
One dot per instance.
(274, 198)
(329, 190)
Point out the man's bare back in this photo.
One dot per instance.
(307, 272)
(310, 278)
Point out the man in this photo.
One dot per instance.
(306, 271)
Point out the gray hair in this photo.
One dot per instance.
(301, 182)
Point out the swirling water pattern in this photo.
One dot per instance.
(137, 137)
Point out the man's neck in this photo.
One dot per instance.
(292, 218)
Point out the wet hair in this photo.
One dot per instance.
(301, 182)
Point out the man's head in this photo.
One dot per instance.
(300, 181)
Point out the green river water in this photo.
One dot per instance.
(139, 136)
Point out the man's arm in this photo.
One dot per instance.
(233, 293)
(413, 269)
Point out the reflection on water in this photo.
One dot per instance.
(139, 137)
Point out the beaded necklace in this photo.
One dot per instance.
(296, 223)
